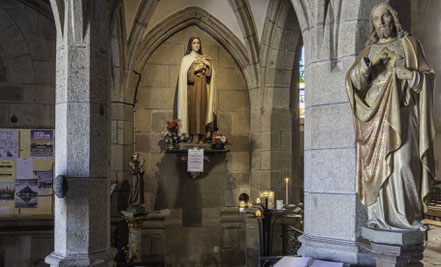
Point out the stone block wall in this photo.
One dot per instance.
(194, 205)
(154, 105)
(25, 250)
(121, 151)
(27, 67)
(425, 28)
(277, 148)
(27, 92)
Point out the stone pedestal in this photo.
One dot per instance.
(393, 248)
(135, 217)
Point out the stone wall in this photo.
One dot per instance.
(27, 67)
(194, 204)
(154, 105)
(27, 92)
(425, 27)
(276, 140)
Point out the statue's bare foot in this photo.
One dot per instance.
(424, 227)
(373, 225)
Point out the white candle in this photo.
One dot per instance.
(271, 200)
(286, 190)
(279, 204)
(242, 206)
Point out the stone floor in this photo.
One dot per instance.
(432, 253)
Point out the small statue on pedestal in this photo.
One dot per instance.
(136, 198)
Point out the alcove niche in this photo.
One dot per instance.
(167, 183)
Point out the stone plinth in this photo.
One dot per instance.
(393, 248)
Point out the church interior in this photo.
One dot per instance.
(204, 133)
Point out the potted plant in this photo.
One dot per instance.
(219, 140)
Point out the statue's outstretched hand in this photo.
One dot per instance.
(403, 73)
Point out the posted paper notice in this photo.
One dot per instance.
(7, 192)
(7, 170)
(26, 193)
(195, 160)
(24, 168)
(44, 182)
(8, 143)
(42, 144)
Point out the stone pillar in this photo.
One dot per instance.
(333, 214)
(82, 127)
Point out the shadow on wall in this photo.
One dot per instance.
(177, 190)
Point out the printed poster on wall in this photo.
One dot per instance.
(7, 192)
(24, 168)
(26, 193)
(7, 170)
(42, 144)
(44, 183)
(8, 143)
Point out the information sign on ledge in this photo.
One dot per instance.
(194, 155)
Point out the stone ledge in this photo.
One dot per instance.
(96, 259)
(335, 250)
(393, 237)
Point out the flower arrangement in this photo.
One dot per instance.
(171, 136)
(219, 140)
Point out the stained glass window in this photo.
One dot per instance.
(302, 87)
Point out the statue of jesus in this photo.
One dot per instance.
(390, 89)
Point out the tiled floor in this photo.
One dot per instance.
(432, 253)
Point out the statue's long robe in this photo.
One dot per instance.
(394, 137)
(182, 95)
(197, 99)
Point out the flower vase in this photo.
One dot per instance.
(219, 146)
(175, 144)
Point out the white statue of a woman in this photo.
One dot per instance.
(195, 92)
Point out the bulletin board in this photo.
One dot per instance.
(26, 171)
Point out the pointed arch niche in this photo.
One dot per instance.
(277, 131)
(168, 186)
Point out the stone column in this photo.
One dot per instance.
(82, 132)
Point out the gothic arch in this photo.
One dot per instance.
(280, 53)
(203, 20)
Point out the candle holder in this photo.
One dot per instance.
(264, 214)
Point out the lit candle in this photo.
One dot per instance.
(258, 200)
(286, 190)
(242, 206)
(271, 200)
(250, 205)
(258, 213)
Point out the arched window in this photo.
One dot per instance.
(302, 87)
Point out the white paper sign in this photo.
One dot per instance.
(8, 143)
(195, 160)
(5, 210)
(24, 168)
